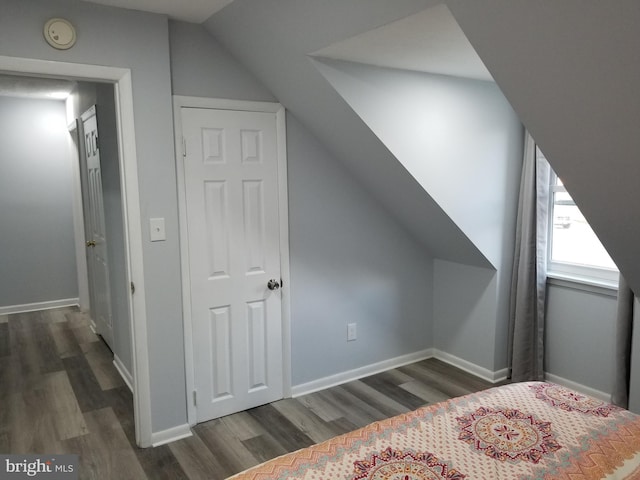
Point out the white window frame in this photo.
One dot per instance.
(578, 273)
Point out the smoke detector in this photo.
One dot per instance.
(59, 33)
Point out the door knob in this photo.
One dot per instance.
(91, 243)
(273, 284)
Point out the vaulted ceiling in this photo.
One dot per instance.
(570, 69)
(278, 39)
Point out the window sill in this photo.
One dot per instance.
(592, 285)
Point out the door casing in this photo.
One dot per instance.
(180, 102)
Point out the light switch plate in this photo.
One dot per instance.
(156, 229)
(351, 332)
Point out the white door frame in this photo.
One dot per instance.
(180, 102)
(121, 77)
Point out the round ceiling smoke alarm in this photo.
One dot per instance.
(59, 33)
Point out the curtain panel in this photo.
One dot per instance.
(528, 285)
(624, 335)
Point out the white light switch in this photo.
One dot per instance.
(156, 229)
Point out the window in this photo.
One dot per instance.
(574, 250)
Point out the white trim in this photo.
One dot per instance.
(581, 283)
(598, 276)
(131, 206)
(592, 392)
(123, 371)
(180, 102)
(93, 327)
(184, 261)
(170, 435)
(472, 368)
(34, 307)
(77, 71)
(134, 256)
(361, 372)
(285, 274)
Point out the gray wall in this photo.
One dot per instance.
(580, 335)
(350, 260)
(37, 246)
(466, 312)
(471, 312)
(461, 140)
(200, 67)
(139, 41)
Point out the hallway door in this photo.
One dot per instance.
(96, 240)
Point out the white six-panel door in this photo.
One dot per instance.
(231, 190)
(97, 258)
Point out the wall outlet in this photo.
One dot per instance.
(351, 332)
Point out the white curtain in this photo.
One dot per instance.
(528, 285)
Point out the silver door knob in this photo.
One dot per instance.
(273, 284)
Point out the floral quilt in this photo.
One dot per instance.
(523, 431)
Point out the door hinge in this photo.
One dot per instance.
(195, 397)
(133, 288)
(184, 147)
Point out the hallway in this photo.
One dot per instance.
(60, 393)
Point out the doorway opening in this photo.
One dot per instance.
(120, 81)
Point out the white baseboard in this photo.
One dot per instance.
(355, 374)
(93, 326)
(123, 371)
(34, 307)
(472, 368)
(170, 435)
(592, 392)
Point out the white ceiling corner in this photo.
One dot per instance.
(195, 11)
(429, 41)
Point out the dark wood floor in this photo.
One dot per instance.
(59, 393)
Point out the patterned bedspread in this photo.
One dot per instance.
(521, 431)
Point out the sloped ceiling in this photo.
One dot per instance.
(429, 41)
(274, 38)
(459, 138)
(571, 70)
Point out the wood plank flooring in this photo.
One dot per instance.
(60, 393)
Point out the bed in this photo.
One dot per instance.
(525, 431)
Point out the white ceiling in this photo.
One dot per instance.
(429, 41)
(195, 11)
(31, 87)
